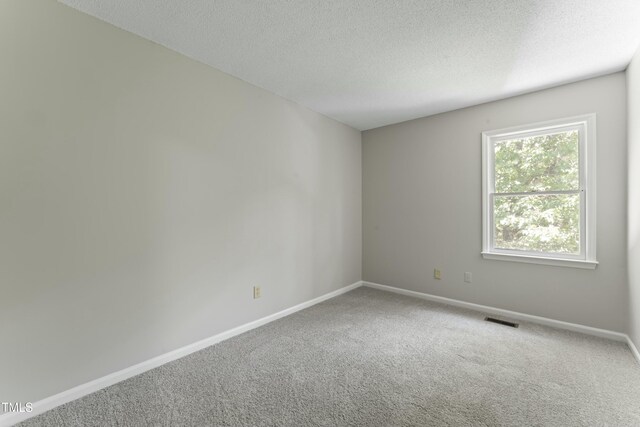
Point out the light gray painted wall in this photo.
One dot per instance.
(422, 208)
(633, 88)
(143, 194)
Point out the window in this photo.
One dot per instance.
(539, 193)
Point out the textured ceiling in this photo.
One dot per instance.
(369, 63)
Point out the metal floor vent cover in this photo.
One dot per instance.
(501, 322)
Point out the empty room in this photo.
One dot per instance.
(319, 213)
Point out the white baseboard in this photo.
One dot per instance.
(633, 349)
(39, 407)
(603, 333)
(51, 402)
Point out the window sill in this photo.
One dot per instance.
(559, 262)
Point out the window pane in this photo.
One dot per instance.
(538, 163)
(538, 223)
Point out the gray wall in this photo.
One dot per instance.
(633, 87)
(422, 208)
(143, 194)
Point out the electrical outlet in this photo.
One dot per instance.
(467, 276)
(256, 292)
(436, 274)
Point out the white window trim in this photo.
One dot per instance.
(587, 258)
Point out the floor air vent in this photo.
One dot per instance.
(501, 322)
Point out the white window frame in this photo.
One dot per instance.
(586, 126)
